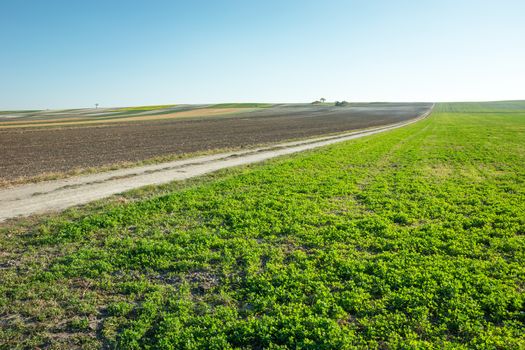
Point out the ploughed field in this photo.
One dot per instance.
(39, 142)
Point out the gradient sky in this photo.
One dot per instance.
(61, 54)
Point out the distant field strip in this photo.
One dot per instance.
(242, 105)
(411, 239)
(201, 112)
(145, 108)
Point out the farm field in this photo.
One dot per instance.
(409, 239)
(69, 143)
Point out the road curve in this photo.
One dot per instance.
(57, 195)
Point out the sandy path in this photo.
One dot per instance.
(60, 194)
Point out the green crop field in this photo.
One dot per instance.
(414, 238)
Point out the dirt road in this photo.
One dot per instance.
(60, 194)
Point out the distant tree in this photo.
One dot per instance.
(341, 103)
(96, 105)
(322, 99)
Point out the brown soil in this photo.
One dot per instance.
(32, 152)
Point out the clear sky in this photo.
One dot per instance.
(65, 53)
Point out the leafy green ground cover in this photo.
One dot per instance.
(409, 239)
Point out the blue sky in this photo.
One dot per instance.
(61, 54)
